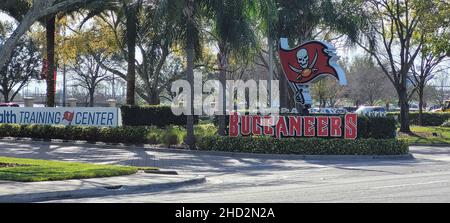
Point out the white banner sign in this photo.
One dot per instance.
(96, 116)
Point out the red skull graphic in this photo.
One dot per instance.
(308, 61)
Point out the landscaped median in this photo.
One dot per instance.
(169, 135)
(427, 135)
(32, 170)
(304, 146)
(207, 139)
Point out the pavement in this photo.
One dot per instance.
(263, 178)
(18, 192)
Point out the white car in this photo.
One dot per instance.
(322, 110)
(371, 111)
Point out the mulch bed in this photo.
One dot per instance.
(6, 165)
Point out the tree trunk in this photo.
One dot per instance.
(50, 35)
(91, 97)
(131, 45)
(223, 66)
(420, 104)
(190, 53)
(404, 110)
(6, 96)
(284, 88)
(154, 99)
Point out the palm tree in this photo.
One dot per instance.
(127, 10)
(50, 33)
(233, 32)
(186, 15)
(131, 11)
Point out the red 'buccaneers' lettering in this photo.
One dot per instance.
(294, 126)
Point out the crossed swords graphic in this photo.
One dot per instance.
(301, 71)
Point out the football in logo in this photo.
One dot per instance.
(310, 61)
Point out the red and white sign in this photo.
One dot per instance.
(294, 126)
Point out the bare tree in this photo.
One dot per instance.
(392, 28)
(442, 92)
(327, 91)
(89, 73)
(423, 73)
(366, 82)
(24, 65)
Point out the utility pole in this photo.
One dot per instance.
(113, 87)
(64, 86)
(64, 71)
(270, 45)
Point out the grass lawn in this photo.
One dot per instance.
(427, 135)
(31, 170)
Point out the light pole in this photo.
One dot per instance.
(270, 45)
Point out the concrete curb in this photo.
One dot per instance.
(216, 153)
(435, 145)
(284, 156)
(98, 191)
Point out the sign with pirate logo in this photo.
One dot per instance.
(308, 63)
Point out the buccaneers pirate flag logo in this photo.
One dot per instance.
(308, 63)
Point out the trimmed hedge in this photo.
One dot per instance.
(304, 146)
(207, 140)
(170, 135)
(118, 134)
(152, 115)
(376, 127)
(429, 118)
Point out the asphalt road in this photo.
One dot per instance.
(254, 179)
(425, 179)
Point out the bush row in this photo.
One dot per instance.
(376, 127)
(117, 134)
(171, 135)
(428, 118)
(162, 116)
(152, 115)
(304, 146)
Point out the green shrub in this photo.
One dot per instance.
(154, 135)
(72, 133)
(203, 130)
(10, 130)
(173, 135)
(152, 115)
(116, 134)
(304, 146)
(376, 127)
(428, 118)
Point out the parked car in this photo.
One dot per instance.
(351, 109)
(371, 110)
(314, 110)
(445, 108)
(323, 111)
(434, 108)
(9, 105)
(413, 107)
(341, 111)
